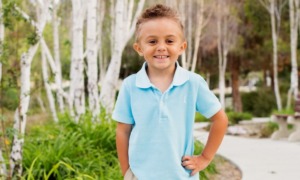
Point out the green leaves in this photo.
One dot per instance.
(72, 151)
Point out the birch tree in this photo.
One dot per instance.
(47, 86)
(20, 117)
(102, 57)
(77, 96)
(195, 22)
(56, 52)
(124, 27)
(274, 8)
(92, 48)
(294, 11)
(227, 34)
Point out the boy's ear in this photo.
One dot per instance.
(138, 49)
(183, 47)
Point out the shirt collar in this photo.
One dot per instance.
(180, 77)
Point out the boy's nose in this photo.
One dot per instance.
(161, 47)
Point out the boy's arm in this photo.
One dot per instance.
(216, 134)
(122, 141)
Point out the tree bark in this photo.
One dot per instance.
(58, 82)
(91, 48)
(274, 9)
(236, 97)
(20, 117)
(102, 58)
(275, 57)
(200, 25)
(77, 96)
(294, 25)
(47, 86)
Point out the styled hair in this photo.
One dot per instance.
(155, 12)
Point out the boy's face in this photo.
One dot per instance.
(160, 42)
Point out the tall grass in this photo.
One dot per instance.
(71, 151)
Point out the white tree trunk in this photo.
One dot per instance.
(199, 28)
(121, 37)
(227, 36)
(102, 62)
(77, 96)
(183, 18)
(58, 80)
(20, 117)
(275, 57)
(47, 86)
(294, 25)
(92, 48)
(274, 9)
(3, 170)
(189, 34)
(221, 60)
(54, 69)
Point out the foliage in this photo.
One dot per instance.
(211, 168)
(71, 151)
(284, 111)
(9, 98)
(259, 103)
(236, 117)
(200, 118)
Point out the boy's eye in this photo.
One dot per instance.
(169, 41)
(152, 41)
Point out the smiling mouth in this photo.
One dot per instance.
(161, 57)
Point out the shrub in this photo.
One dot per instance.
(71, 151)
(200, 118)
(259, 103)
(235, 117)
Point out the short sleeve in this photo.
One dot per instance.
(122, 112)
(207, 103)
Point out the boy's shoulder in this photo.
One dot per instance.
(195, 78)
(130, 80)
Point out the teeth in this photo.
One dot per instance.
(161, 57)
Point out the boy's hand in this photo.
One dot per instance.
(195, 163)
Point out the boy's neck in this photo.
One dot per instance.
(161, 79)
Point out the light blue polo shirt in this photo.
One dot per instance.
(163, 122)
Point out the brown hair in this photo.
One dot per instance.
(154, 12)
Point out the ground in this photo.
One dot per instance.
(226, 170)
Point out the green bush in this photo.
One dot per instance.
(235, 117)
(200, 118)
(259, 103)
(9, 98)
(72, 151)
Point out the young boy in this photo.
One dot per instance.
(156, 107)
